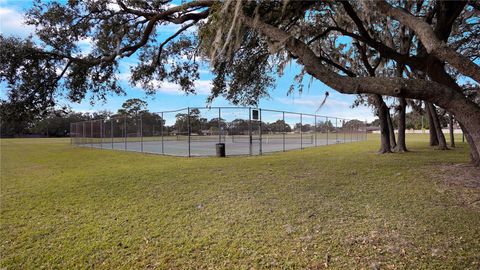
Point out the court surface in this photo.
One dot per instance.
(205, 146)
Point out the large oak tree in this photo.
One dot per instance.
(246, 43)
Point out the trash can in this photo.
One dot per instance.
(220, 149)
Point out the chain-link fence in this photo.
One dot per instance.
(196, 131)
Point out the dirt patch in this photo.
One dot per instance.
(461, 179)
(464, 175)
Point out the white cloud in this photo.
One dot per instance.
(86, 111)
(315, 101)
(202, 87)
(12, 23)
(333, 107)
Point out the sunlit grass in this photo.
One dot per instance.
(341, 206)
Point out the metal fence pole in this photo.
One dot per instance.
(351, 134)
(356, 131)
(91, 133)
(103, 130)
(326, 126)
(141, 133)
(365, 130)
(101, 133)
(336, 130)
(315, 130)
(111, 130)
(250, 129)
(189, 129)
(77, 133)
(260, 131)
(83, 133)
(219, 126)
(73, 126)
(283, 119)
(125, 131)
(301, 134)
(161, 132)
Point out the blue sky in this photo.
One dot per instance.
(169, 96)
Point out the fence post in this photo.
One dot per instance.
(91, 133)
(188, 124)
(315, 130)
(83, 132)
(351, 134)
(111, 130)
(356, 131)
(365, 131)
(141, 133)
(101, 133)
(161, 132)
(301, 133)
(336, 130)
(283, 119)
(250, 129)
(75, 138)
(103, 130)
(219, 126)
(260, 130)
(326, 126)
(125, 131)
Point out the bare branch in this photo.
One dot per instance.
(432, 44)
(160, 48)
(399, 87)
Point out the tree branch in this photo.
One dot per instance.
(398, 87)
(382, 49)
(160, 48)
(153, 19)
(432, 44)
(363, 54)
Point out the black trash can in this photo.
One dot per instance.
(220, 149)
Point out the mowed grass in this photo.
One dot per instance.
(339, 206)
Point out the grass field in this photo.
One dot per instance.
(339, 206)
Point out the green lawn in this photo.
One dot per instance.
(341, 206)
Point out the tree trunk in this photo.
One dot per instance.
(452, 137)
(442, 143)
(474, 155)
(466, 112)
(431, 127)
(382, 110)
(391, 130)
(401, 145)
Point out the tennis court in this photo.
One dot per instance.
(196, 131)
